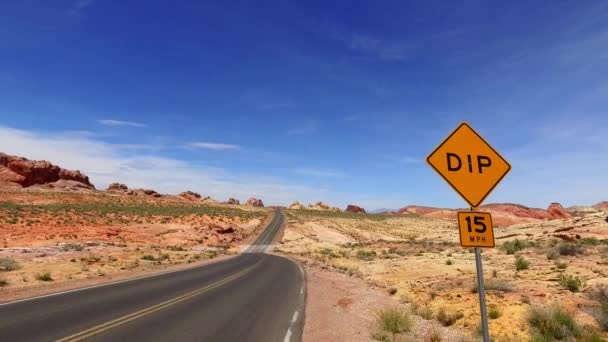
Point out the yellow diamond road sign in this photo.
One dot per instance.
(469, 164)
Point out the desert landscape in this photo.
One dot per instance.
(57, 231)
(547, 278)
(547, 262)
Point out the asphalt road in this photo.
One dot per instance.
(252, 297)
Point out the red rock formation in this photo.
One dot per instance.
(233, 201)
(255, 202)
(557, 211)
(601, 206)
(117, 187)
(319, 206)
(22, 172)
(355, 209)
(190, 195)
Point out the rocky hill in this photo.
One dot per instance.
(18, 172)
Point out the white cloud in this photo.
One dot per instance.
(317, 172)
(214, 146)
(105, 163)
(110, 122)
(375, 48)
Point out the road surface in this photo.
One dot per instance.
(251, 297)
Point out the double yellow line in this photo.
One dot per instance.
(144, 312)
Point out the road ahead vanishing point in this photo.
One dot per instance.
(251, 297)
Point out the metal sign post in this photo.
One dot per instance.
(482, 294)
(473, 168)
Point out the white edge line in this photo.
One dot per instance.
(302, 290)
(287, 336)
(295, 317)
(111, 283)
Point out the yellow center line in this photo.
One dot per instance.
(138, 314)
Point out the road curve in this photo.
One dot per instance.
(251, 297)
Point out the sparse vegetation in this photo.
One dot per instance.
(494, 284)
(569, 249)
(449, 262)
(391, 322)
(521, 263)
(8, 264)
(561, 265)
(552, 323)
(366, 255)
(422, 311)
(600, 294)
(448, 317)
(3, 282)
(44, 276)
(494, 312)
(148, 257)
(511, 247)
(570, 282)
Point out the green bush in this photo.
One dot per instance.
(390, 322)
(44, 276)
(422, 311)
(8, 264)
(589, 241)
(600, 294)
(366, 255)
(568, 249)
(148, 257)
(447, 318)
(552, 323)
(570, 282)
(521, 263)
(515, 246)
(494, 312)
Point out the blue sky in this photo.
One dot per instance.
(309, 100)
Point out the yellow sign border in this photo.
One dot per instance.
(462, 244)
(474, 205)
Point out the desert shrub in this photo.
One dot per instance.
(494, 312)
(552, 323)
(568, 249)
(521, 263)
(570, 282)
(72, 246)
(449, 262)
(148, 257)
(510, 247)
(561, 265)
(8, 264)
(447, 317)
(494, 284)
(390, 322)
(591, 241)
(176, 248)
(552, 254)
(600, 294)
(3, 282)
(422, 311)
(366, 255)
(44, 276)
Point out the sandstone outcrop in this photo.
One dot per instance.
(255, 202)
(190, 195)
(233, 201)
(557, 211)
(296, 206)
(19, 172)
(355, 209)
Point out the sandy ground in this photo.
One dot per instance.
(344, 308)
(421, 259)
